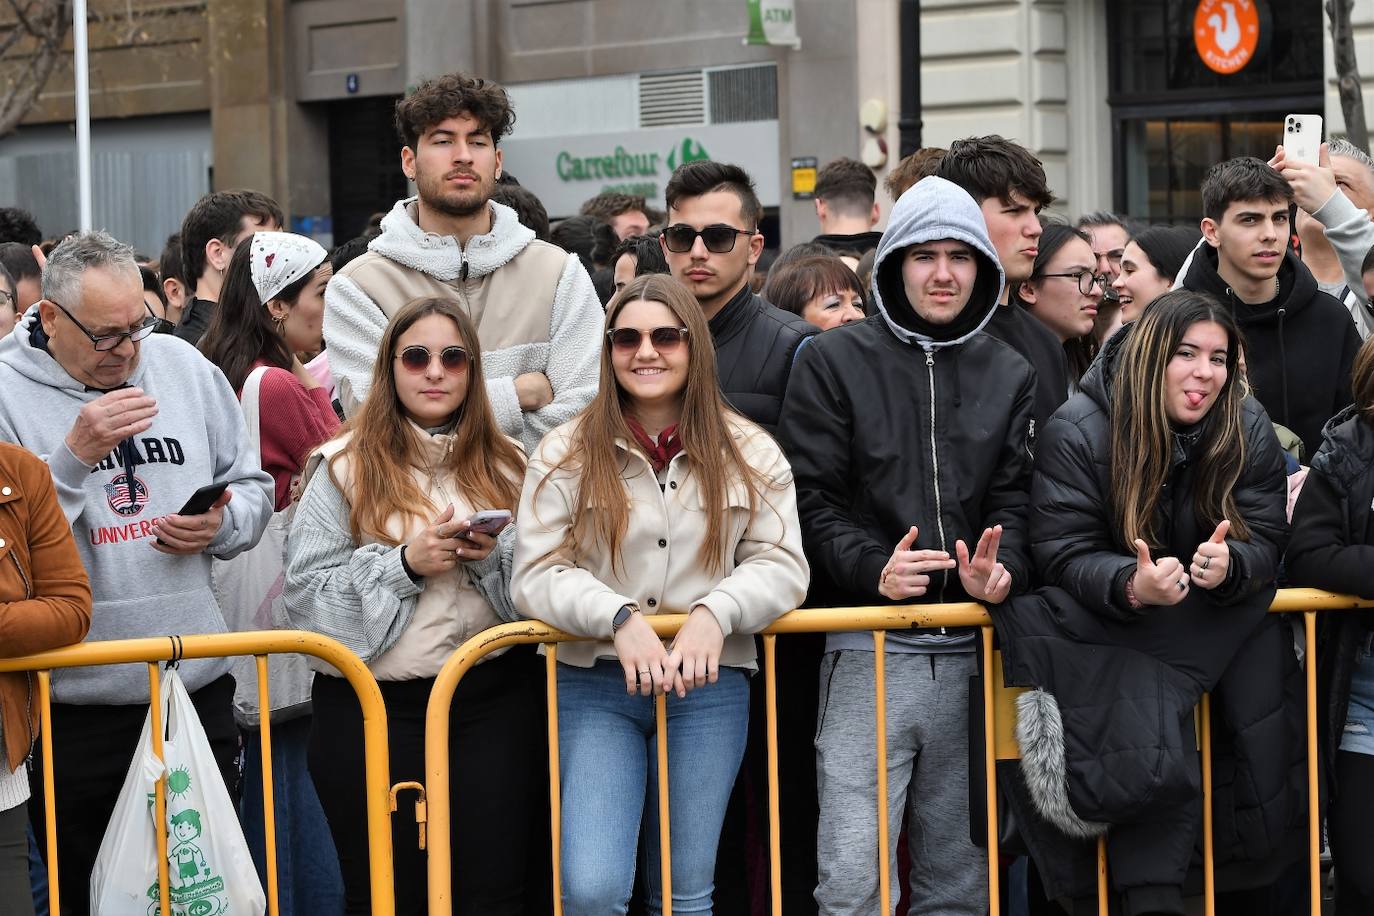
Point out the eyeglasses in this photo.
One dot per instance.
(417, 359)
(719, 238)
(6, 297)
(1086, 280)
(664, 340)
(106, 342)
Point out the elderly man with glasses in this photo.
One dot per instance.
(130, 425)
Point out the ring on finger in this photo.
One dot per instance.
(1206, 562)
(1183, 584)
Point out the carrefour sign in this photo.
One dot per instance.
(564, 171)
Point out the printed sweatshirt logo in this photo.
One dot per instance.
(154, 450)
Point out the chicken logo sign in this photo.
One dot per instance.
(1226, 33)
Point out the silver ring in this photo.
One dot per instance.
(1183, 584)
(645, 671)
(1206, 562)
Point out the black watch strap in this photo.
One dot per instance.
(622, 617)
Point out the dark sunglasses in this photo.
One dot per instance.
(719, 239)
(417, 358)
(627, 340)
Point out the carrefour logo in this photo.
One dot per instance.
(623, 165)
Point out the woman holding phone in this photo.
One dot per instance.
(656, 498)
(383, 558)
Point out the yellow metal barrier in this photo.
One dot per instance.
(162, 648)
(997, 731)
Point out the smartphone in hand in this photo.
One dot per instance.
(200, 501)
(489, 521)
(1302, 137)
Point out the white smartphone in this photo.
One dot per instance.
(490, 521)
(1302, 137)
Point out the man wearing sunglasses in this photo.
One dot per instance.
(712, 243)
(536, 312)
(130, 424)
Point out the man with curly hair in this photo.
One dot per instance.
(536, 312)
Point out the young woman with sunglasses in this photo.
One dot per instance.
(383, 558)
(655, 499)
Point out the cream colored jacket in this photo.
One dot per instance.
(765, 573)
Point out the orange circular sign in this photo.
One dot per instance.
(1226, 33)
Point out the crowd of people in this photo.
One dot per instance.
(1120, 439)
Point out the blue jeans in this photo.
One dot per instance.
(308, 878)
(608, 754)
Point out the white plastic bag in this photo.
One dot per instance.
(210, 872)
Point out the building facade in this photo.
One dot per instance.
(1118, 97)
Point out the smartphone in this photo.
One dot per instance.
(201, 501)
(1302, 137)
(490, 521)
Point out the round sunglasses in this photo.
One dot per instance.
(417, 358)
(627, 340)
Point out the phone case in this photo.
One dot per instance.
(1302, 137)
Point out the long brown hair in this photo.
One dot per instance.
(1141, 436)
(384, 446)
(1362, 381)
(601, 513)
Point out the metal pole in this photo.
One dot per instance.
(81, 70)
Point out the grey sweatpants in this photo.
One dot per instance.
(927, 765)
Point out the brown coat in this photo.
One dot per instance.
(45, 598)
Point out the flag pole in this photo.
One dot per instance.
(81, 71)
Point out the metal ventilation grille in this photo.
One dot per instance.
(671, 99)
(743, 94)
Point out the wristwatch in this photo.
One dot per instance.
(622, 617)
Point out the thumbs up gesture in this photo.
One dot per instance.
(1212, 562)
(1160, 583)
(907, 573)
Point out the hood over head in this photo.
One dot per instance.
(931, 210)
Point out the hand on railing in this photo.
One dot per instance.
(907, 574)
(984, 579)
(695, 657)
(643, 657)
(1162, 583)
(1212, 561)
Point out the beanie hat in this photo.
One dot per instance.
(1168, 247)
(281, 258)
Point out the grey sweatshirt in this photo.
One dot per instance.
(198, 437)
(1351, 233)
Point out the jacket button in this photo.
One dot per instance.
(662, 542)
(2, 542)
(5, 491)
(652, 602)
(672, 484)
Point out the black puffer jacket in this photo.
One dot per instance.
(756, 344)
(1299, 347)
(1333, 548)
(1123, 682)
(1075, 544)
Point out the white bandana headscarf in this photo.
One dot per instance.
(280, 259)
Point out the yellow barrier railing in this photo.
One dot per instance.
(161, 649)
(825, 620)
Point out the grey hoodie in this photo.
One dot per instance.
(931, 210)
(198, 437)
(533, 304)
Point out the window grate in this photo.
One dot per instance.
(743, 94)
(672, 99)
